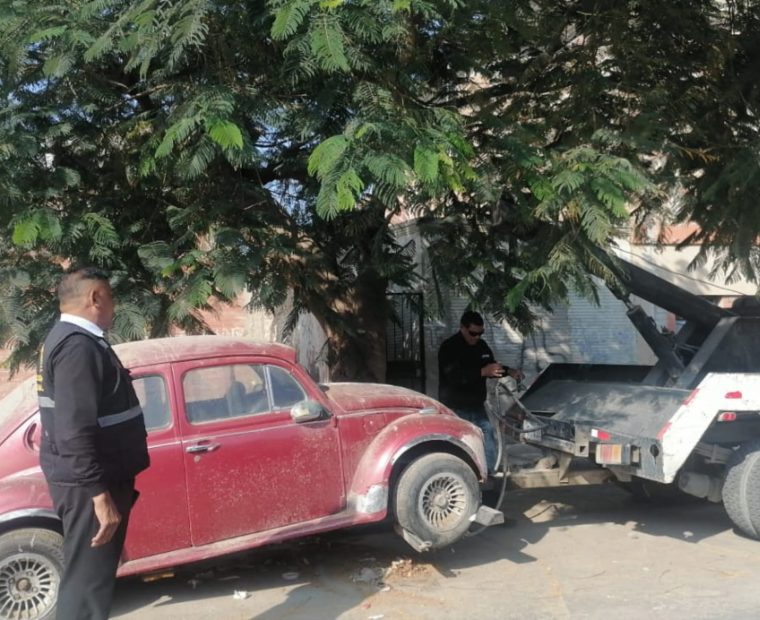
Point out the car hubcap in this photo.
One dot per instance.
(28, 586)
(443, 501)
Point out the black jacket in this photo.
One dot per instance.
(460, 385)
(93, 431)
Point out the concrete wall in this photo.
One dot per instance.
(577, 332)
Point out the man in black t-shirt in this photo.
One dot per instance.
(465, 361)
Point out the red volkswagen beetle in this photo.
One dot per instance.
(245, 450)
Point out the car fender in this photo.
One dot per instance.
(370, 487)
(25, 496)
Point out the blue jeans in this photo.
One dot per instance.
(480, 419)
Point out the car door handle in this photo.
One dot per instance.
(202, 447)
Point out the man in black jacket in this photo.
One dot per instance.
(93, 442)
(465, 361)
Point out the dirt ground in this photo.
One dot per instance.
(588, 552)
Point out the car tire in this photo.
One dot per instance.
(741, 489)
(31, 565)
(435, 498)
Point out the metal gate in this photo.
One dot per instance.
(405, 341)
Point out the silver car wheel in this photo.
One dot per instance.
(28, 586)
(443, 501)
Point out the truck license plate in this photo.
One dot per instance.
(528, 424)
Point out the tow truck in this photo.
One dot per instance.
(689, 422)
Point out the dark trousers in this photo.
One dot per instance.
(89, 572)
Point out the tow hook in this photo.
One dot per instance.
(414, 541)
(487, 516)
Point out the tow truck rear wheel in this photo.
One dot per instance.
(31, 564)
(741, 489)
(435, 497)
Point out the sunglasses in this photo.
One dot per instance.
(474, 334)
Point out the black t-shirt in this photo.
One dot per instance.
(460, 385)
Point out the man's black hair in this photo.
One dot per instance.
(70, 286)
(470, 317)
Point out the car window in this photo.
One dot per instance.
(220, 392)
(151, 391)
(286, 391)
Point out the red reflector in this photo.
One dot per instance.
(727, 416)
(665, 429)
(736, 394)
(601, 435)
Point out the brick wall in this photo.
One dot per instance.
(6, 382)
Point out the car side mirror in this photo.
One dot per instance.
(307, 411)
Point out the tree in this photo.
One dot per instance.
(199, 147)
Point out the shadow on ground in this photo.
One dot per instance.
(341, 571)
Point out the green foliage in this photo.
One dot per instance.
(225, 133)
(327, 44)
(289, 15)
(198, 148)
(323, 159)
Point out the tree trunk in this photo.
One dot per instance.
(356, 332)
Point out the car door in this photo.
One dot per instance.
(249, 466)
(159, 520)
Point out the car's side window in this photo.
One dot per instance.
(286, 391)
(154, 400)
(220, 392)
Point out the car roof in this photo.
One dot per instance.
(178, 348)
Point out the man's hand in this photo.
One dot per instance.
(494, 369)
(108, 516)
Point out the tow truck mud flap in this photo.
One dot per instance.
(485, 516)
(414, 541)
(488, 516)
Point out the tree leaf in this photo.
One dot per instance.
(57, 66)
(176, 133)
(426, 164)
(288, 18)
(327, 45)
(225, 133)
(325, 156)
(47, 34)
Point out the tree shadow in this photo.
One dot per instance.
(329, 575)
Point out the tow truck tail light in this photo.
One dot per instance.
(733, 395)
(727, 416)
(690, 397)
(600, 435)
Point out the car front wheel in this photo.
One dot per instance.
(31, 564)
(435, 498)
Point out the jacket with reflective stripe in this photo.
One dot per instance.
(93, 427)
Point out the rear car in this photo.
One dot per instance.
(245, 450)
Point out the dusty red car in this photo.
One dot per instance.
(245, 450)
